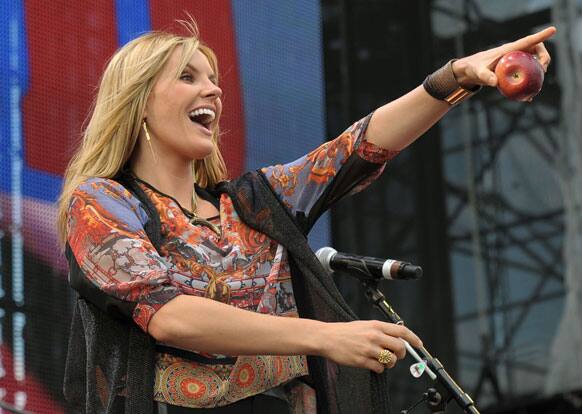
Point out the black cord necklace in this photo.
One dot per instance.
(193, 218)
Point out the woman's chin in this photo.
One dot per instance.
(202, 151)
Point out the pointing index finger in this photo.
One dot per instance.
(530, 41)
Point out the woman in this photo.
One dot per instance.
(218, 274)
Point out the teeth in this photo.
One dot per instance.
(203, 111)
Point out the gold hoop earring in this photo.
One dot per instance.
(149, 140)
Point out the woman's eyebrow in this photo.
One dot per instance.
(192, 68)
(195, 71)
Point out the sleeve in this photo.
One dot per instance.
(105, 234)
(348, 164)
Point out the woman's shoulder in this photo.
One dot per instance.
(109, 197)
(95, 185)
(104, 191)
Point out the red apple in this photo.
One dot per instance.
(519, 76)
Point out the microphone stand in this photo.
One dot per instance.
(435, 368)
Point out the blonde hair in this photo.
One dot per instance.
(115, 122)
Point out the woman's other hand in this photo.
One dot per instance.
(359, 343)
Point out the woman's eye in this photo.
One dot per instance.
(186, 77)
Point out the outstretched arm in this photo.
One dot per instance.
(397, 124)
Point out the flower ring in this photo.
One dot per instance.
(385, 357)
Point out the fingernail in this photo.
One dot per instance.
(492, 80)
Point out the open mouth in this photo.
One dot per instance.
(203, 117)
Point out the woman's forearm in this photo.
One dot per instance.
(203, 325)
(200, 324)
(397, 124)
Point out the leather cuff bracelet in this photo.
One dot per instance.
(442, 85)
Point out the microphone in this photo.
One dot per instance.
(371, 267)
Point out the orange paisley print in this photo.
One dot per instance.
(323, 158)
(301, 183)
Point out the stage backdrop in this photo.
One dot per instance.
(52, 55)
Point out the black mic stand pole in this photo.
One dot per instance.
(442, 376)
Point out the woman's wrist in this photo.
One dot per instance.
(444, 85)
(313, 332)
(458, 67)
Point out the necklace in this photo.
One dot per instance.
(197, 220)
(192, 216)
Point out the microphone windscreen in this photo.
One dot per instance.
(410, 271)
(324, 255)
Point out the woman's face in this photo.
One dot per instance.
(182, 113)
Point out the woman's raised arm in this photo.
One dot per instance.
(397, 124)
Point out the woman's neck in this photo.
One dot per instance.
(170, 178)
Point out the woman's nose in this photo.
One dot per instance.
(212, 90)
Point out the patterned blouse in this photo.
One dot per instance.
(243, 268)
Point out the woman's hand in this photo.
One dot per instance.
(478, 69)
(359, 343)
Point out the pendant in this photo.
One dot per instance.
(197, 221)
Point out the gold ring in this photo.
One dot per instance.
(385, 357)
